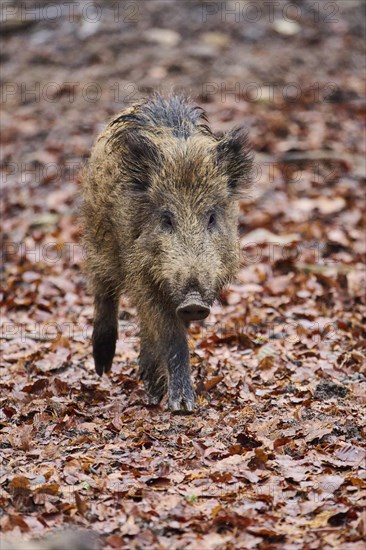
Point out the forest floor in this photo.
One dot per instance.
(274, 456)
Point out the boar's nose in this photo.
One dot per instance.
(192, 308)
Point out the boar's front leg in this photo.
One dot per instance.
(180, 390)
(164, 362)
(105, 332)
(152, 369)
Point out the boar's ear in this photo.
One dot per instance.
(143, 157)
(235, 159)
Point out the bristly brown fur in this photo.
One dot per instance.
(156, 160)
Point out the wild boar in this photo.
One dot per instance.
(160, 216)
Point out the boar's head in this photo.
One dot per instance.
(185, 195)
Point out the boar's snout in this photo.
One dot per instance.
(192, 308)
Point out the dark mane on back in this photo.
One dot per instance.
(175, 112)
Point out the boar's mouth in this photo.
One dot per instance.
(192, 308)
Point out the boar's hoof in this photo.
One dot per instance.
(155, 383)
(102, 366)
(181, 405)
(154, 395)
(154, 399)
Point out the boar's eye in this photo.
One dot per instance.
(211, 220)
(167, 221)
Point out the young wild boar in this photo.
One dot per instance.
(160, 210)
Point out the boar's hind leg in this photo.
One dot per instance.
(152, 371)
(180, 391)
(105, 332)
